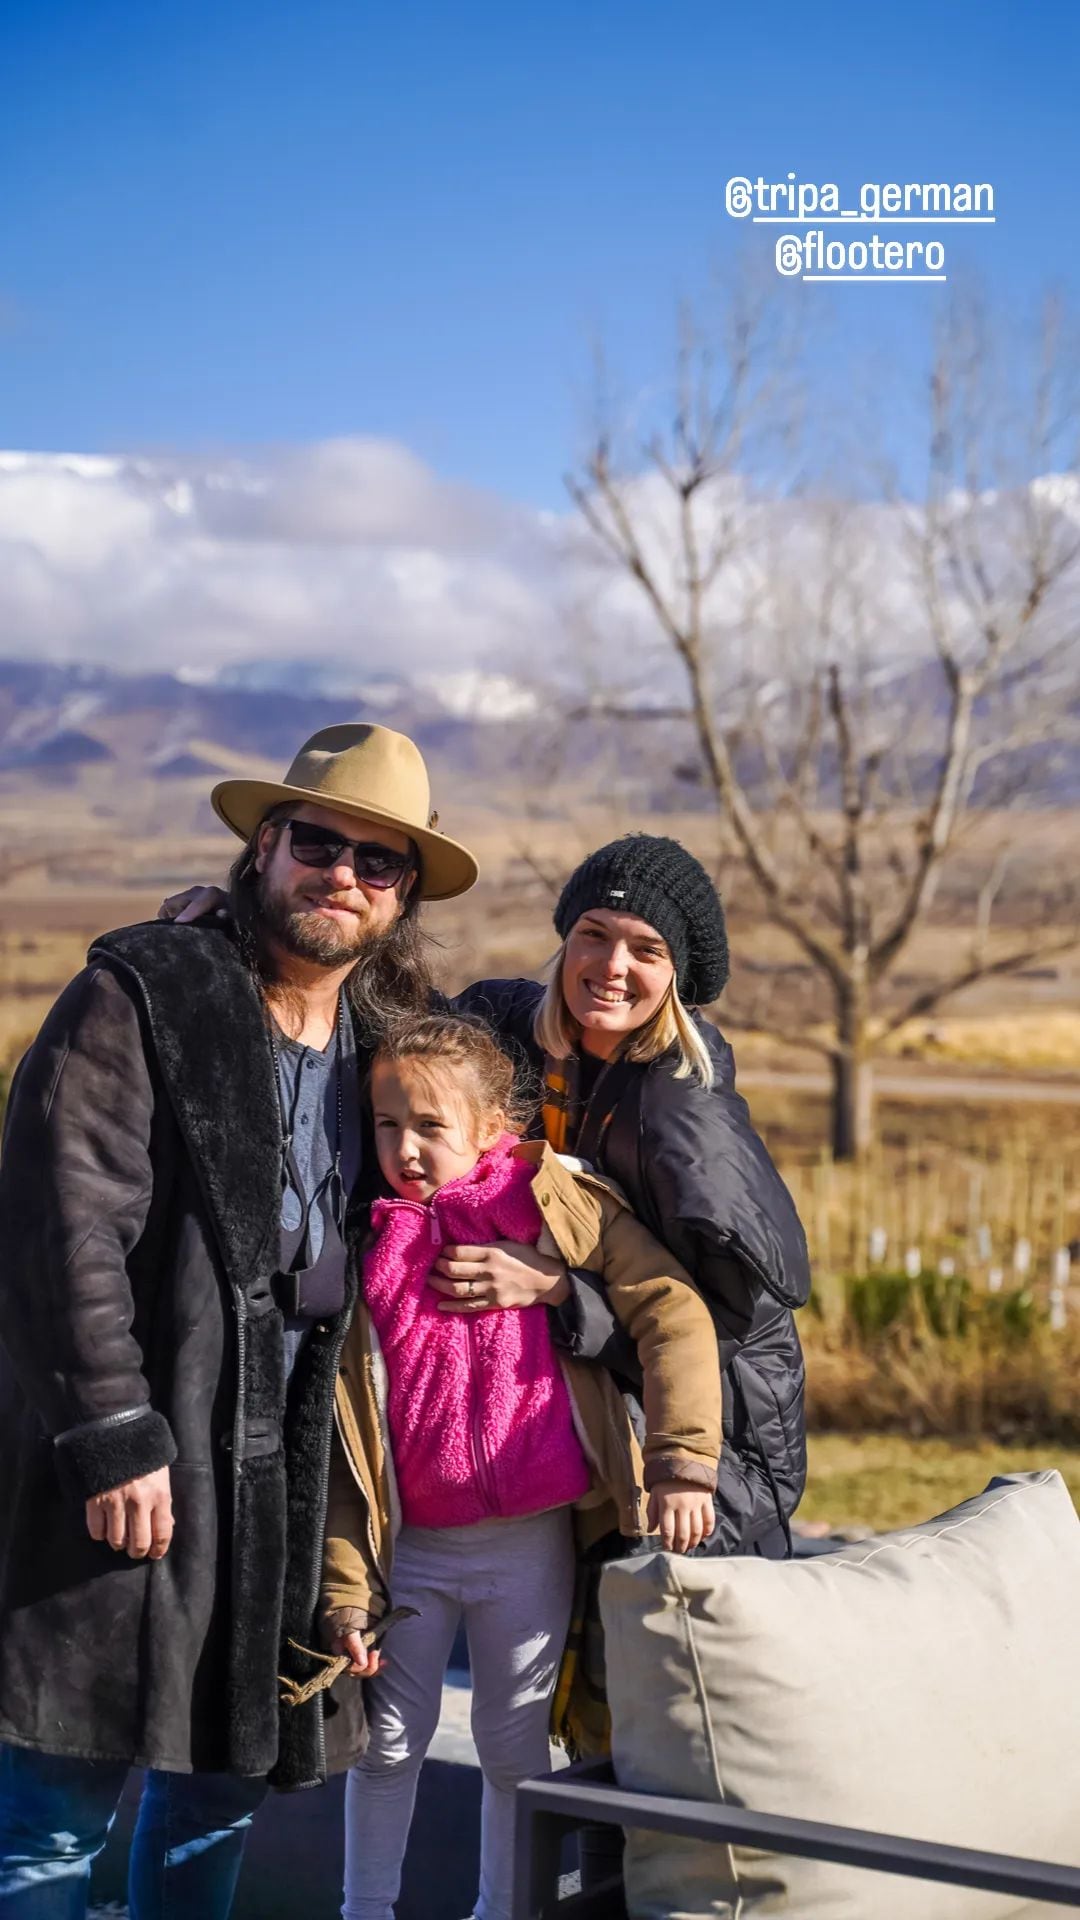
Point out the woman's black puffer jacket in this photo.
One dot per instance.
(697, 1174)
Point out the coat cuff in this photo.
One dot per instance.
(682, 1467)
(343, 1616)
(103, 1454)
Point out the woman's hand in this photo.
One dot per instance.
(193, 903)
(683, 1516)
(506, 1274)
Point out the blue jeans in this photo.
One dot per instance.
(55, 1816)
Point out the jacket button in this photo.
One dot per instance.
(545, 1199)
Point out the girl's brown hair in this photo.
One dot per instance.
(487, 1073)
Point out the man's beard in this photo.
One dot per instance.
(389, 978)
(310, 935)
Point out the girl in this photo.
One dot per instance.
(466, 1441)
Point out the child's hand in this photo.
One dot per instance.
(683, 1516)
(343, 1631)
(366, 1661)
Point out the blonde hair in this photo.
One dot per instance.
(556, 1030)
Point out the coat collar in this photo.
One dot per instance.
(571, 1198)
(208, 1033)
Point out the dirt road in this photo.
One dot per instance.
(920, 1085)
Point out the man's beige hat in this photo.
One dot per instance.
(371, 772)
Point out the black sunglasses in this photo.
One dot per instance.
(375, 865)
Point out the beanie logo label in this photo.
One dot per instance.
(616, 893)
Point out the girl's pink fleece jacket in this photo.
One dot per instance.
(478, 1410)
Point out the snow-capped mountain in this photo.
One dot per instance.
(56, 719)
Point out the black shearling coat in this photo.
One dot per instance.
(139, 1229)
(695, 1171)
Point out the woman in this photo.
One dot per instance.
(632, 1082)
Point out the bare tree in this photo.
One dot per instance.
(875, 712)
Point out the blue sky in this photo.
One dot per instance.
(243, 223)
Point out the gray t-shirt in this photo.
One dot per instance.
(308, 1080)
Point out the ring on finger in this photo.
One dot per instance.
(469, 1285)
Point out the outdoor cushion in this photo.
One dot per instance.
(924, 1683)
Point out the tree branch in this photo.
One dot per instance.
(791, 1036)
(932, 997)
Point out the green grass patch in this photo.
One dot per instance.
(887, 1480)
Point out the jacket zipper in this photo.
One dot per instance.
(324, 1488)
(481, 1463)
(240, 1416)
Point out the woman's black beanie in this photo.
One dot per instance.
(656, 879)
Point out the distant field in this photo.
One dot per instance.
(1026, 1024)
(81, 858)
(100, 877)
(941, 1166)
(887, 1481)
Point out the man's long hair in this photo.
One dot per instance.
(391, 977)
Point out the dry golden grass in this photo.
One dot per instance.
(1035, 1040)
(1001, 1207)
(983, 1186)
(986, 1382)
(885, 1480)
(19, 1022)
(1048, 1038)
(795, 1125)
(114, 843)
(43, 943)
(941, 1171)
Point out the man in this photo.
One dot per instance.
(183, 1168)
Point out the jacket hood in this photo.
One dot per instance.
(709, 1176)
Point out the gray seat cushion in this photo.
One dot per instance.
(925, 1683)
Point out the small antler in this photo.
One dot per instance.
(296, 1693)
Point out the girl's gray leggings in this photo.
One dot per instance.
(512, 1582)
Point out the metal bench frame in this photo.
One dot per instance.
(550, 1808)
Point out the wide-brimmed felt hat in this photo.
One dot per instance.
(372, 773)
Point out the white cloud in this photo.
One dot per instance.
(350, 550)
(355, 554)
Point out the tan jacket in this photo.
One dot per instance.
(587, 1222)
